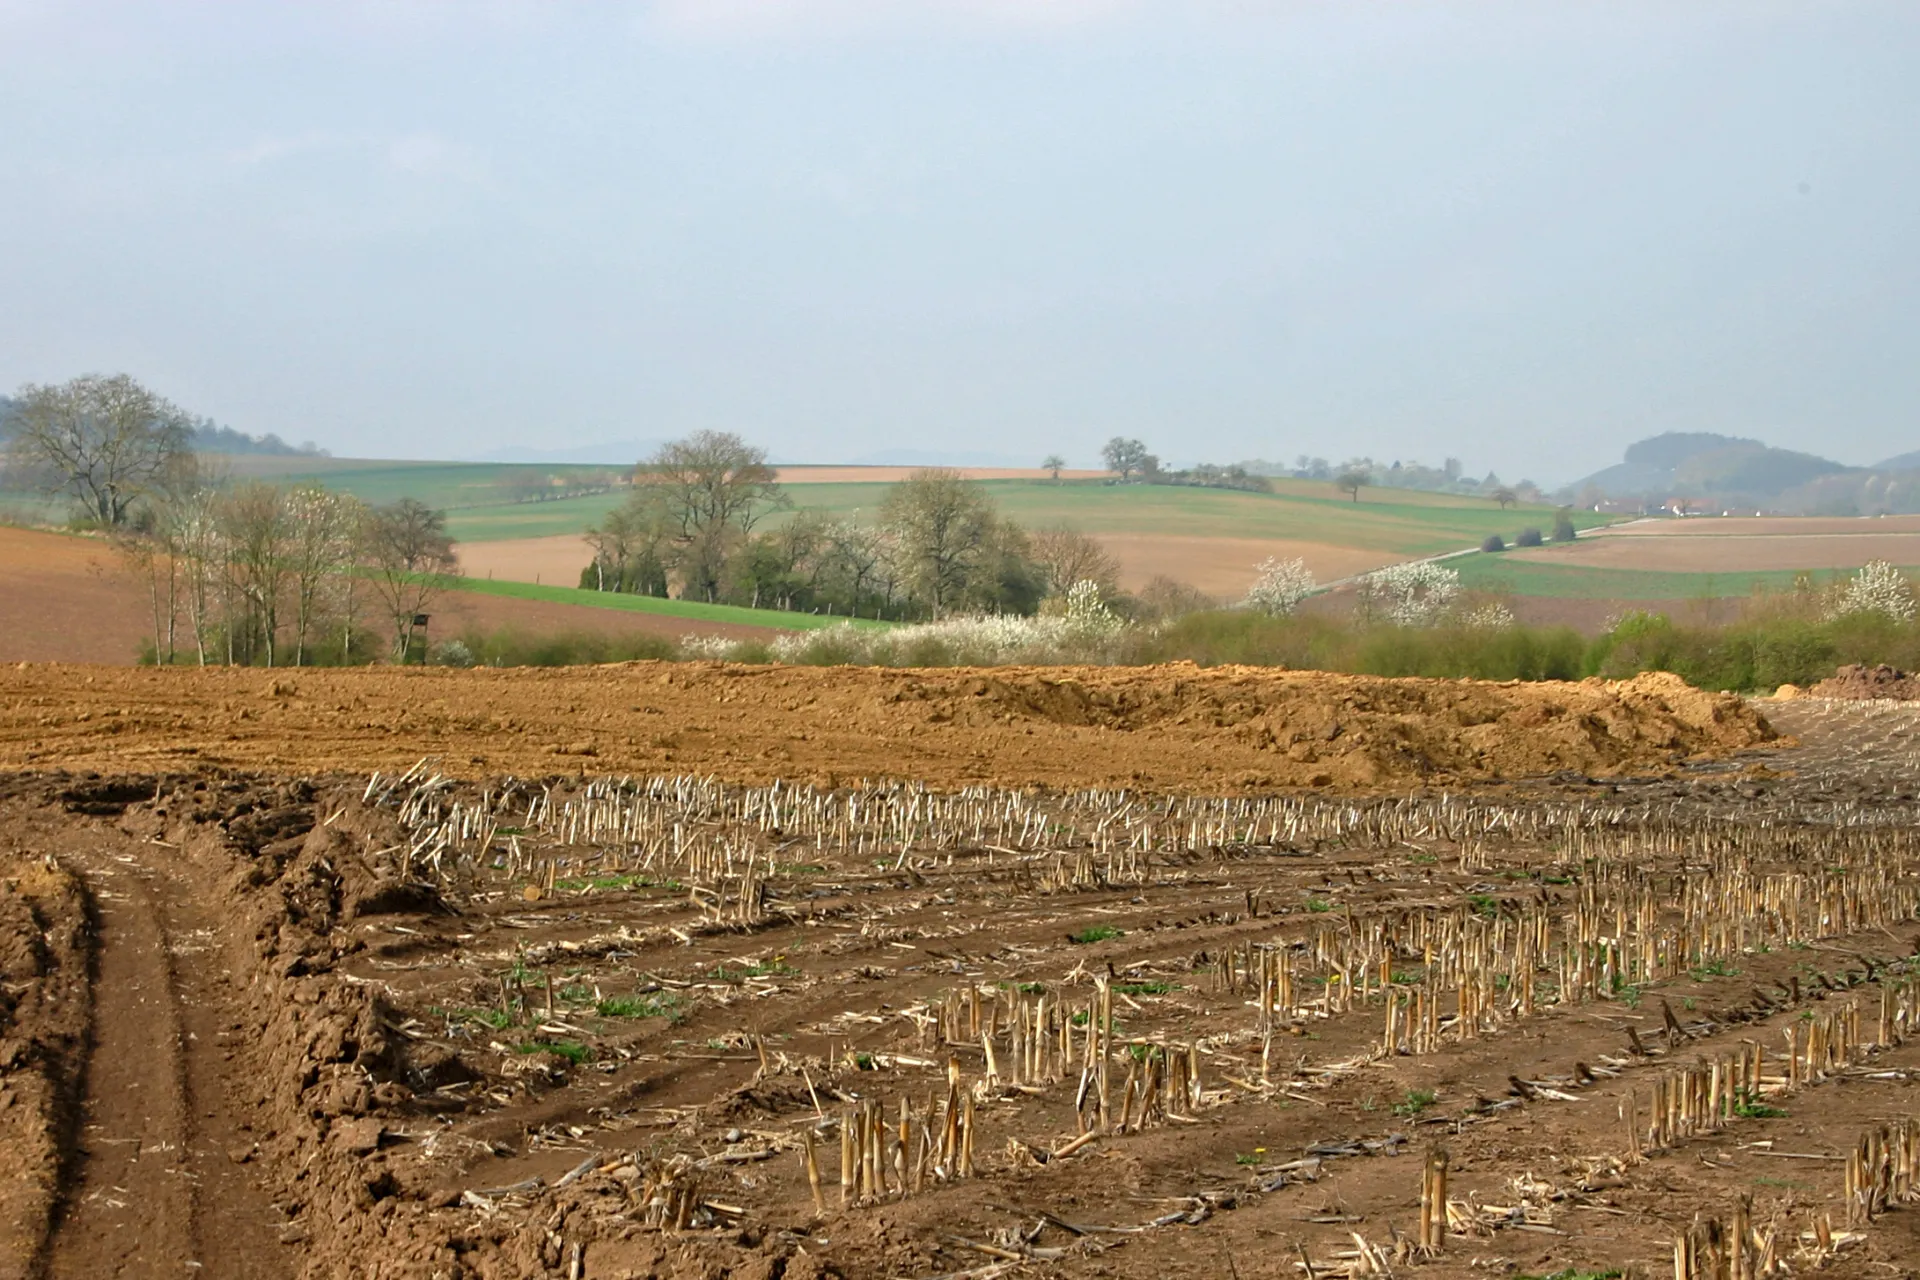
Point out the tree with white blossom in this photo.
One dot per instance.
(1414, 594)
(1280, 586)
(1881, 588)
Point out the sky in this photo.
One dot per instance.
(1520, 234)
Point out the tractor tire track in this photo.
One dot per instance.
(162, 1174)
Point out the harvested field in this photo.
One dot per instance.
(407, 1026)
(1177, 728)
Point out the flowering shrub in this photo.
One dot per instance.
(718, 648)
(1413, 594)
(451, 653)
(1087, 614)
(1879, 587)
(1281, 586)
(1492, 616)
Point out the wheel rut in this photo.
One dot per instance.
(164, 1181)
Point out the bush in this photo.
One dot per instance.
(450, 653)
(1409, 595)
(1281, 586)
(1563, 530)
(1494, 542)
(1528, 538)
(1878, 588)
(510, 647)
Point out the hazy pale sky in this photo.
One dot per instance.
(1524, 234)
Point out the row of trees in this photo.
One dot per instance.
(938, 545)
(236, 573)
(263, 574)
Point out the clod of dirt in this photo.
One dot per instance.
(1859, 681)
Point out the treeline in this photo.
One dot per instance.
(249, 573)
(697, 524)
(258, 574)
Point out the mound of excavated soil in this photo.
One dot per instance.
(1859, 681)
(1174, 727)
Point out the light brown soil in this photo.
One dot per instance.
(67, 598)
(1740, 526)
(1731, 545)
(364, 1079)
(1225, 567)
(1177, 728)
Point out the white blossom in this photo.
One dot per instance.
(1492, 616)
(1879, 587)
(1412, 594)
(1281, 586)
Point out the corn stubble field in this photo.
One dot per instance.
(404, 1023)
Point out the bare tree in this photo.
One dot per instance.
(856, 560)
(1126, 456)
(1351, 482)
(945, 527)
(716, 488)
(1504, 496)
(106, 440)
(258, 537)
(321, 528)
(1066, 556)
(411, 556)
(1053, 464)
(631, 544)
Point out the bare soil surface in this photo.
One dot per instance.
(1174, 728)
(576, 1024)
(1747, 526)
(1730, 545)
(572, 1027)
(65, 598)
(1857, 680)
(69, 598)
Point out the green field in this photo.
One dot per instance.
(1569, 582)
(1396, 521)
(726, 613)
(448, 486)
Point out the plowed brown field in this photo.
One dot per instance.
(1178, 728)
(264, 1027)
(738, 1013)
(68, 598)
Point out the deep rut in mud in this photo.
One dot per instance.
(159, 1181)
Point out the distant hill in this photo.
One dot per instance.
(209, 436)
(1705, 467)
(1902, 462)
(620, 453)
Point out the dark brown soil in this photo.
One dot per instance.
(1859, 681)
(341, 1030)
